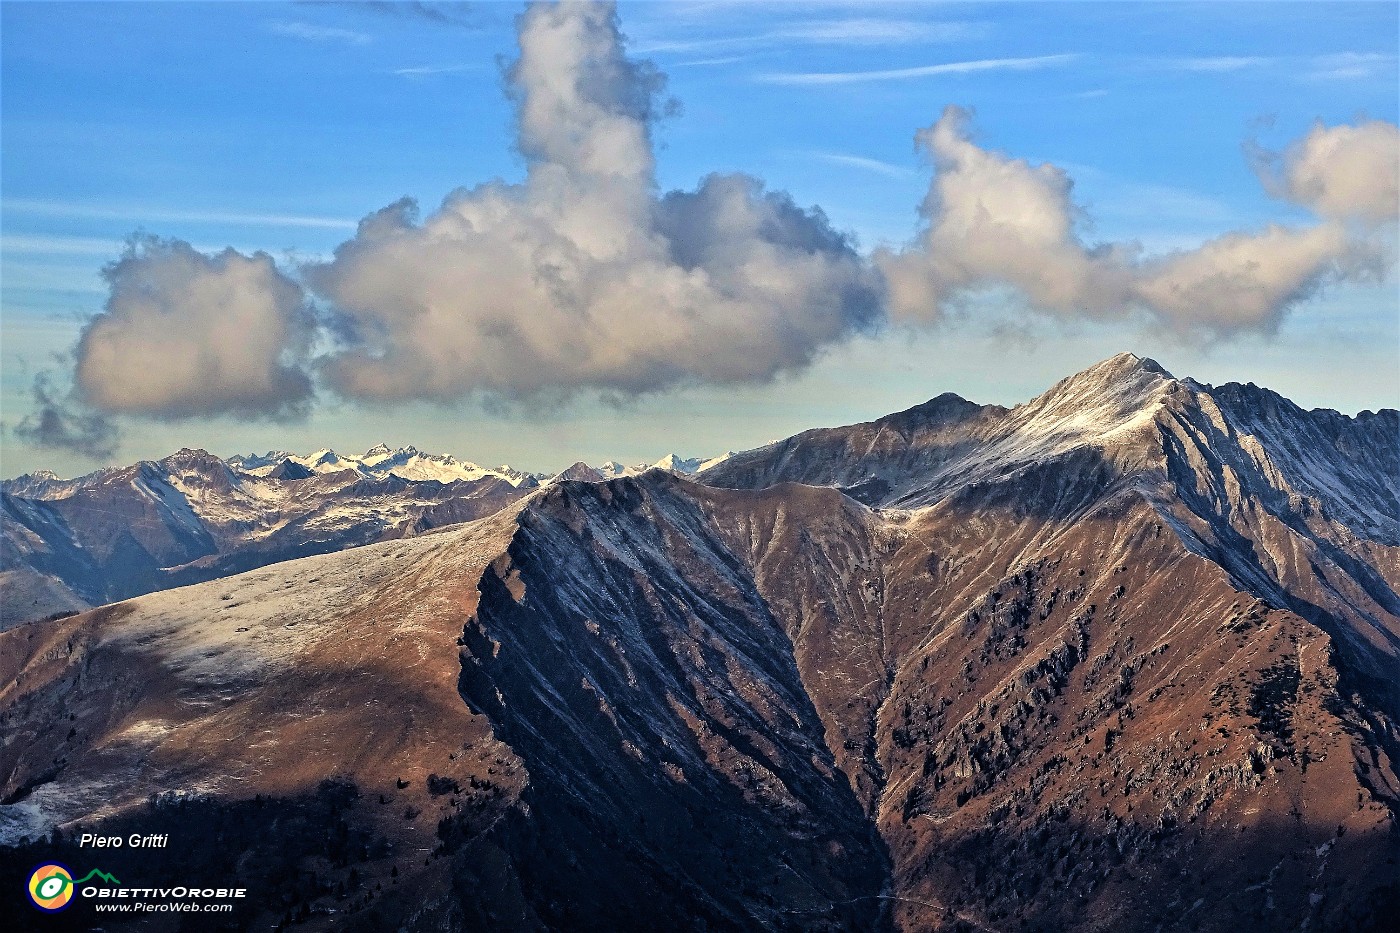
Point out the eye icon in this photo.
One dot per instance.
(51, 887)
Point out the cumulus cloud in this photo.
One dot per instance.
(60, 422)
(584, 276)
(184, 335)
(1247, 281)
(1345, 172)
(995, 220)
(991, 219)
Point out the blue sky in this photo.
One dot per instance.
(277, 127)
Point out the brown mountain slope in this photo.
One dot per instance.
(1099, 732)
(623, 742)
(1141, 642)
(1123, 658)
(281, 725)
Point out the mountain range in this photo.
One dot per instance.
(1124, 657)
(68, 545)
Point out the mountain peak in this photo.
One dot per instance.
(1124, 381)
(379, 450)
(191, 453)
(942, 409)
(678, 464)
(1123, 365)
(579, 471)
(197, 459)
(1109, 399)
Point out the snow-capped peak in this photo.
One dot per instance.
(381, 452)
(612, 470)
(677, 463)
(410, 463)
(714, 461)
(381, 460)
(690, 465)
(1102, 397)
(1119, 369)
(1103, 405)
(674, 462)
(248, 463)
(323, 461)
(579, 471)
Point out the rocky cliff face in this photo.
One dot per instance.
(1142, 638)
(679, 772)
(1123, 658)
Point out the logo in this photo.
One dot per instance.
(51, 887)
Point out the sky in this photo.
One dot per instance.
(684, 227)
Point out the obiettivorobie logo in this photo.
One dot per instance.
(52, 888)
(51, 885)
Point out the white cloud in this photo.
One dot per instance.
(581, 277)
(703, 62)
(871, 31)
(585, 276)
(20, 244)
(60, 422)
(420, 71)
(1339, 66)
(1219, 63)
(1351, 66)
(1243, 281)
(994, 220)
(58, 245)
(858, 31)
(922, 71)
(317, 33)
(1340, 171)
(864, 163)
(186, 335)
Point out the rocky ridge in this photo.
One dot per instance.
(1122, 658)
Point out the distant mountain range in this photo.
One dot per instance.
(406, 463)
(68, 545)
(1125, 657)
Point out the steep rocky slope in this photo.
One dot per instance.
(623, 741)
(679, 774)
(1122, 658)
(1141, 637)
